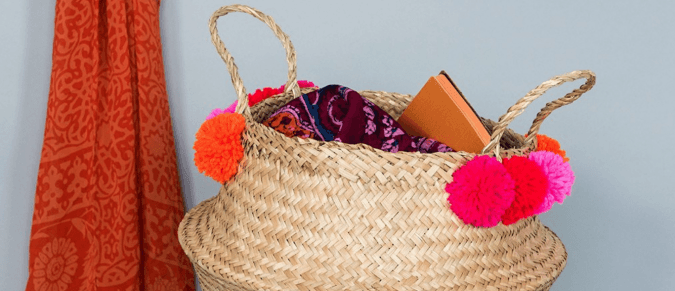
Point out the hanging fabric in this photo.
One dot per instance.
(108, 199)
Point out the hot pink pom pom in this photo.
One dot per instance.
(559, 174)
(219, 111)
(215, 113)
(232, 107)
(481, 191)
(301, 83)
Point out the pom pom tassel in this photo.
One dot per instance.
(481, 191)
(559, 175)
(484, 191)
(218, 147)
(549, 144)
(530, 187)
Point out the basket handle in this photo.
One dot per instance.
(291, 83)
(519, 107)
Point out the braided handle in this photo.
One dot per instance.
(291, 84)
(519, 107)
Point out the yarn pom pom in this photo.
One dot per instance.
(219, 111)
(260, 95)
(232, 107)
(301, 83)
(481, 191)
(218, 146)
(560, 178)
(549, 144)
(530, 188)
(305, 84)
(268, 92)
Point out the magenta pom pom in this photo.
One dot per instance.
(232, 107)
(301, 84)
(219, 111)
(215, 113)
(481, 191)
(559, 174)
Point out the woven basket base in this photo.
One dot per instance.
(197, 236)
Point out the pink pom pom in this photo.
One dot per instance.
(219, 111)
(232, 107)
(559, 174)
(301, 83)
(481, 191)
(215, 113)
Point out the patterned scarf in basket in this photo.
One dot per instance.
(337, 113)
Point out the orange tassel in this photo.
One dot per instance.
(549, 144)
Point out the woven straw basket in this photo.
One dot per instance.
(303, 214)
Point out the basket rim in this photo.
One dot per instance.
(312, 143)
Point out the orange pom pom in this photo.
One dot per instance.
(549, 144)
(218, 148)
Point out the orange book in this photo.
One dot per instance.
(440, 111)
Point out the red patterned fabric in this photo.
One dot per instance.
(108, 200)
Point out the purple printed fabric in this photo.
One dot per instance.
(337, 113)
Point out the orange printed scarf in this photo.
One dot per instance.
(108, 200)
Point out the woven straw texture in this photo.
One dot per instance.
(303, 214)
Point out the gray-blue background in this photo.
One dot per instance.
(618, 223)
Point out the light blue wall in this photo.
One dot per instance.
(26, 31)
(618, 225)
